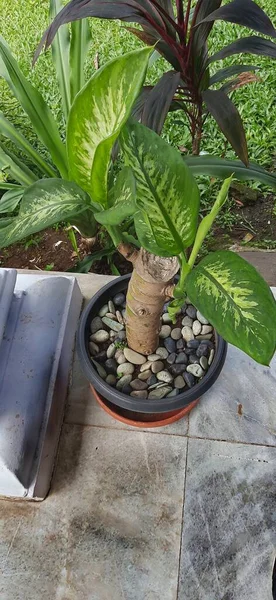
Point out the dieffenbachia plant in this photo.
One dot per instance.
(157, 189)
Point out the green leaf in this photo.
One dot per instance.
(80, 42)
(222, 168)
(97, 116)
(166, 193)
(35, 106)
(237, 301)
(9, 131)
(9, 186)
(85, 265)
(122, 197)
(12, 166)
(10, 200)
(46, 202)
(60, 53)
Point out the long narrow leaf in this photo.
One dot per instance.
(9, 186)
(8, 130)
(223, 74)
(16, 170)
(10, 200)
(246, 13)
(80, 43)
(248, 45)
(222, 168)
(35, 107)
(228, 119)
(159, 100)
(60, 52)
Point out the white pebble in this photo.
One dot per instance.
(100, 336)
(111, 351)
(176, 333)
(145, 367)
(212, 354)
(103, 311)
(187, 334)
(187, 321)
(165, 331)
(162, 352)
(164, 376)
(196, 327)
(134, 357)
(203, 362)
(196, 370)
(153, 357)
(125, 369)
(111, 307)
(123, 381)
(206, 329)
(201, 318)
(166, 318)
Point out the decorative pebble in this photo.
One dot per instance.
(180, 344)
(201, 318)
(101, 371)
(202, 350)
(145, 375)
(206, 329)
(93, 348)
(196, 327)
(162, 352)
(121, 336)
(146, 366)
(137, 384)
(96, 324)
(114, 325)
(164, 376)
(111, 379)
(112, 335)
(101, 356)
(173, 393)
(189, 379)
(111, 366)
(176, 333)
(120, 357)
(170, 345)
(181, 358)
(110, 316)
(152, 380)
(127, 389)
(193, 359)
(125, 369)
(203, 362)
(139, 394)
(171, 358)
(178, 369)
(187, 333)
(111, 351)
(157, 366)
(165, 331)
(159, 393)
(153, 357)
(103, 310)
(193, 344)
(119, 317)
(125, 380)
(179, 382)
(119, 299)
(100, 336)
(166, 318)
(134, 357)
(195, 370)
(207, 336)
(212, 354)
(111, 307)
(187, 322)
(191, 312)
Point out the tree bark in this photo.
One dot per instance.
(150, 286)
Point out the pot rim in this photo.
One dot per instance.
(115, 396)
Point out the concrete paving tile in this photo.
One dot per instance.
(110, 528)
(229, 522)
(82, 408)
(241, 405)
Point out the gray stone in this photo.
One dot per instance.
(111, 351)
(166, 318)
(202, 350)
(162, 352)
(193, 344)
(227, 542)
(125, 369)
(179, 382)
(195, 370)
(180, 344)
(112, 335)
(139, 393)
(164, 376)
(121, 336)
(206, 329)
(153, 357)
(159, 392)
(173, 393)
(119, 317)
(146, 366)
(101, 371)
(101, 356)
(187, 333)
(96, 324)
(100, 336)
(134, 357)
(187, 322)
(103, 310)
(165, 331)
(211, 357)
(120, 357)
(111, 379)
(111, 307)
(189, 379)
(176, 333)
(177, 369)
(207, 336)
(197, 328)
(171, 358)
(110, 315)
(111, 366)
(138, 384)
(191, 312)
(144, 375)
(125, 380)
(126, 389)
(181, 358)
(157, 366)
(114, 325)
(93, 348)
(170, 345)
(193, 359)
(203, 362)
(119, 299)
(152, 380)
(201, 318)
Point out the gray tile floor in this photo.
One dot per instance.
(179, 513)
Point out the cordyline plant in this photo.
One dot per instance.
(180, 33)
(157, 189)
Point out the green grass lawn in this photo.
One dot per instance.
(23, 22)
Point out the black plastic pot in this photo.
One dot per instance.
(116, 397)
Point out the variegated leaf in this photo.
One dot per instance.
(98, 113)
(166, 193)
(46, 202)
(121, 198)
(237, 301)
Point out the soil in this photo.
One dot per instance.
(252, 223)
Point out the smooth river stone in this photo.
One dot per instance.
(187, 334)
(157, 366)
(145, 367)
(176, 333)
(191, 312)
(206, 329)
(93, 348)
(119, 299)
(137, 384)
(187, 322)
(179, 382)
(101, 371)
(134, 357)
(211, 357)
(165, 331)
(195, 370)
(153, 357)
(100, 336)
(201, 318)
(203, 362)
(164, 376)
(177, 369)
(166, 318)
(111, 307)
(159, 393)
(111, 351)
(125, 380)
(170, 345)
(103, 310)
(125, 369)
(111, 379)
(144, 376)
(197, 327)
(111, 316)
(162, 352)
(139, 394)
(114, 325)
(96, 324)
(181, 358)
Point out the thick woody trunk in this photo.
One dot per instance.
(151, 285)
